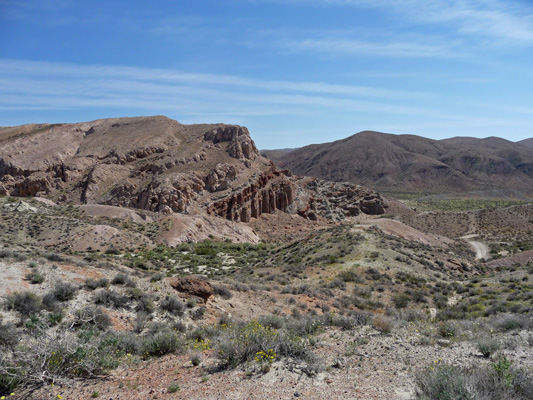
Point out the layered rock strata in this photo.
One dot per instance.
(160, 165)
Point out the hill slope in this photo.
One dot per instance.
(186, 172)
(413, 163)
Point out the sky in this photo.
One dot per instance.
(294, 72)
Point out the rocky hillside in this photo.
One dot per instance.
(411, 163)
(155, 164)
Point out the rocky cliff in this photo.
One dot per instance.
(159, 165)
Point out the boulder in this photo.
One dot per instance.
(193, 286)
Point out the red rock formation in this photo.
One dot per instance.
(193, 286)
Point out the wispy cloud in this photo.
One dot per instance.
(20, 75)
(387, 49)
(510, 21)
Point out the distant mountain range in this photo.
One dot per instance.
(410, 163)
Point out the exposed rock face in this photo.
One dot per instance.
(159, 165)
(241, 146)
(220, 177)
(308, 197)
(271, 191)
(337, 201)
(193, 286)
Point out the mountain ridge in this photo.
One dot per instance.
(411, 163)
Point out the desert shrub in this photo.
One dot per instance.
(57, 357)
(412, 315)
(64, 291)
(173, 388)
(93, 284)
(419, 296)
(6, 253)
(127, 342)
(382, 323)
(442, 381)
(447, 329)
(222, 291)
(145, 304)
(337, 284)
(305, 326)
(91, 316)
(497, 381)
(123, 279)
(178, 326)
(198, 313)
(110, 298)
(50, 303)
(241, 343)
(9, 379)
(26, 303)
(271, 321)
(440, 300)
(112, 251)
(353, 320)
(400, 300)
(162, 342)
(54, 257)
(35, 277)
(157, 277)
(196, 360)
(9, 336)
(488, 346)
(510, 322)
(173, 305)
(350, 275)
(54, 318)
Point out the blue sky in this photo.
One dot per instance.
(294, 71)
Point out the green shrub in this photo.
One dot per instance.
(400, 300)
(511, 322)
(222, 291)
(240, 343)
(26, 303)
(9, 335)
(146, 304)
(161, 343)
(54, 257)
(110, 298)
(488, 346)
(447, 329)
(175, 387)
(497, 381)
(35, 277)
(157, 277)
(6, 253)
(173, 305)
(442, 381)
(54, 318)
(350, 275)
(123, 279)
(64, 291)
(92, 316)
(198, 314)
(93, 284)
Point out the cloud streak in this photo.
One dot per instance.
(509, 21)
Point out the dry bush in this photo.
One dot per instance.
(382, 323)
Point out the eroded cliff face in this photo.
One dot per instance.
(160, 165)
(308, 197)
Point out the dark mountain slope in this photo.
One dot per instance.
(413, 163)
